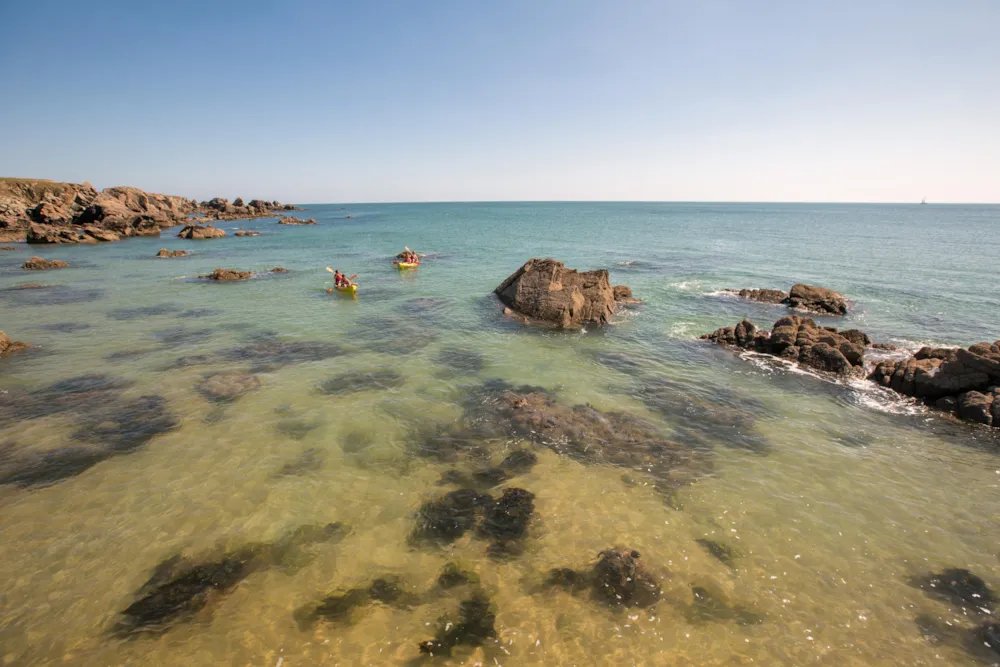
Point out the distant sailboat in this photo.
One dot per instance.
(924, 200)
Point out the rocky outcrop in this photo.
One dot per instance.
(819, 300)
(7, 247)
(246, 232)
(171, 253)
(228, 274)
(964, 382)
(544, 291)
(623, 295)
(800, 339)
(279, 269)
(286, 220)
(8, 346)
(41, 211)
(39, 264)
(197, 232)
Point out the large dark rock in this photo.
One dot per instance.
(544, 291)
(201, 232)
(39, 264)
(228, 275)
(815, 299)
(296, 221)
(800, 339)
(618, 579)
(474, 627)
(171, 253)
(963, 381)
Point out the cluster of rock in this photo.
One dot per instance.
(800, 339)
(222, 209)
(39, 264)
(287, 220)
(8, 346)
(544, 291)
(233, 274)
(198, 232)
(246, 232)
(171, 253)
(965, 382)
(814, 299)
(42, 211)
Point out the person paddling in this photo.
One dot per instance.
(338, 278)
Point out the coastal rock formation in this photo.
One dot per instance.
(8, 346)
(819, 300)
(965, 382)
(285, 220)
(221, 209)
(279, 269)
(800, 339)
(246, 232)
(39, 264)
(544, 291)
(623, 295)
(228, 274)
(7, 247)
(171, 253)
(201, 232)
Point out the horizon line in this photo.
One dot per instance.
(646, 201)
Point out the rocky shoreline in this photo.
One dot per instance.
(48, 212)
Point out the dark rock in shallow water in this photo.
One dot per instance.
(544, 291)
(475, 626)
(48, 467)
(8, 346)
(66, 327)
(50, 295)
(708, 606)
(447, 519)
(518, 462)
(958, 587)
(725, 553)
(342, 607)
(296, 429)
(507, 517)
(225, 275)
(81, 393)
(39, 264)
(126, 426)
(815, 299)
(761, 295)
(308, 461)
(464, 361)
(800, 339)
(176, 336)
(273, 354)
(989, 634)
(452, 575)
(178, 589)
(618, 578)
(143, 311)
(227, 386)
(361, 381)
(200, 312)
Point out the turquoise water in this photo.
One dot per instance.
(835, 494)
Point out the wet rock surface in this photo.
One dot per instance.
(200, 232)
(544, 291)
(8, 346)
(246, 232)
(288, 220)
(475, 626)
(618, 578)
(228, 275)
(179, 589)
(171, 253)
(505, 522)
(356, 381)
(812, 298)
(959, 588)
(964, 382)
(39, 264)
(227, 386)
(800, 339)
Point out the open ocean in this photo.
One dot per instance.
(830, 497)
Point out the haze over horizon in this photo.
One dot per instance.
(888, 101)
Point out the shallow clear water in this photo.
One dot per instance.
(835, 494)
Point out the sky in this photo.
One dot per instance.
(440, 100)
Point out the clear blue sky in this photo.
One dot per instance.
(850, 100)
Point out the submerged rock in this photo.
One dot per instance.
(356, 381)
(178, 588)
(227, 386)
(505, 522)
(450, 517)
(142, 312)
(800, 339)
(196, 232)
(618, 578)
(958, 587)
(708, 605)
(814, 299)
(228, 274)
(308, 461)
(171, 253)
(544, 291)
(343, 607)
(39, 264)
(727, 554)
(475, 626)
(273, 353)
(458, 359)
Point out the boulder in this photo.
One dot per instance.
(623, 295)
(103, 235)
(8, 346)
(975, 407)
(279, 269)
(246, 232)
(817, 299)
(171, 253)
(201, 232)
(38, 233)
(238, 201)
(39, 264)
(228, 274)
(286, 220)
(800, 339)
(761, 295)
(544, 291)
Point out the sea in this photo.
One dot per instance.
(804, 540)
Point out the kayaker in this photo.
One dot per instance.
(338, 278)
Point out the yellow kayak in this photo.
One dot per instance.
(406, 265)
(351, 290)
